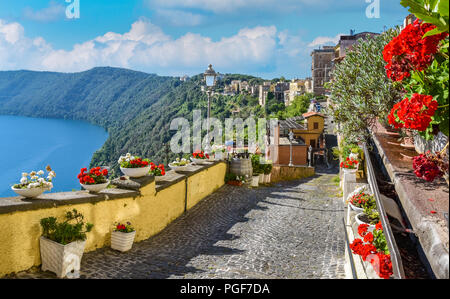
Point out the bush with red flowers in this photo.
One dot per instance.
(429, 166)
(95, 176)
(157, 170)
(373, 248)
(410, 52)
(200, 155)
(413, 114)
(130, 161)
(363, 200)
(349, 163)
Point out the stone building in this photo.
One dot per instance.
(346, 43)
(278, 90)
(322, 62)
(296, 88)
(263, 92)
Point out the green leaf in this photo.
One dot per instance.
(443, 8)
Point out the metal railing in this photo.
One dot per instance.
(396, 260)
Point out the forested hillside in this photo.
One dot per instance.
(136, 108)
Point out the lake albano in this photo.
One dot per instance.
(28, 144)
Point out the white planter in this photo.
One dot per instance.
(96, 187)
(61, 259)
(356, 209)
(359, 222)
(261, 178)
(255, 180)
(348, 171)
(267, 178)
(136, 172)
(198, 161)
(175, 168)
(29, 193)
(122, 241)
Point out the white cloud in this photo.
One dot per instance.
(145, 47)
(53, 12)
(179, 18)
(325, 40)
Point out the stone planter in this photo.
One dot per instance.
(355, 208)
(95, 188)
(255, 180)
(122, 241)
(267, 178)
(175, 168)
(198, 161)
(261, 178)
(29, 193)
(436, 145)
(61, 259)
(359, 221)
(136, 172)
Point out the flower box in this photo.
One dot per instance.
(358, 219)
(61, 259)
(31, 192)
(122, 241)
(95, 187)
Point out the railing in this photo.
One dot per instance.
(396, 260)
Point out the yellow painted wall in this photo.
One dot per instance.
(149, 213)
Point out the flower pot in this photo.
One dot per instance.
(267, 178)
(122, 241)
(350, 171)
(96, 187)
(359, 222)
(61, 259)
(30, 193)
(135, 172)
(261, 178)
(175, 168)
(355, 208)
(255, 180)
(198, 161)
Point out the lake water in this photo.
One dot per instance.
(28, 144)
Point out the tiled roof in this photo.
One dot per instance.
(292, 123)
(312, 113)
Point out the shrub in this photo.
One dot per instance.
(65, 232)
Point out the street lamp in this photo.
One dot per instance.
(210, 80)
(291, 137)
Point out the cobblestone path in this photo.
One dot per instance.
(289, 230)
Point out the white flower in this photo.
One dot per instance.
(34, 177)
(128, 155)
(353, 156)
(40, 172)
(53, 174)
(24, 174)
(33, 173)
(23, 180)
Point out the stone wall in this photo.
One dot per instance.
(288, 173)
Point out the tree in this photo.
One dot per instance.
(361, 92)
(299, 106)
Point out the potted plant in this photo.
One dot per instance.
(370, 216)
(350, 165)
(62, 243)
(157, 170)
(267, 171)
(198, 157)
(133, 166)
(360, 200)
(179, 164)
(33, 184)
(94, 180)
(122, 237)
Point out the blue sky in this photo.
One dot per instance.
(266, 38)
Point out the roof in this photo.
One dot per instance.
(312, 113)
(292, 123)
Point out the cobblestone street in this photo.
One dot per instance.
(289, 230)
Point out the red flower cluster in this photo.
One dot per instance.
(425, 167)
(360, 199)
(349, 163)
(121, 227)
(380, 261)
(409, 51)
(157, 170)
(200, 155)
(95, 176)
(137, 163)
(413, 114)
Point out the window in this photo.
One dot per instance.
(316, 126)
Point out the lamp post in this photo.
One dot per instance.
(291, 137)
(210, 80)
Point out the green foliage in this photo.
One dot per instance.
(372, 213)
(66, 232)
(299, 106)
(230, 177)
(379, 241)
(256, 165)
(361, 91)
(431, 11)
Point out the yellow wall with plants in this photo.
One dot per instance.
(149, 213)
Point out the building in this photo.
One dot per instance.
(309, 85)
(322, 62)
(308, 130)
(346, 43)
(263, 92)
(278, 90)
(409, 20)
(296, 88)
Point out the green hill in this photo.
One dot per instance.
(136, 108)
